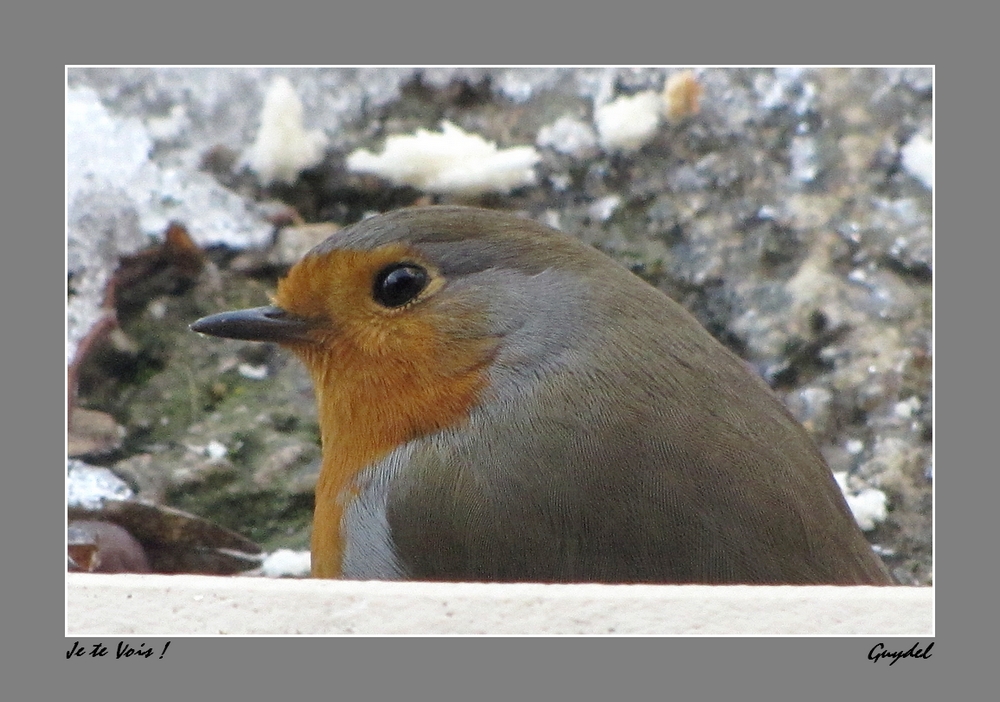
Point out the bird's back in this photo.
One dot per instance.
(642, 452)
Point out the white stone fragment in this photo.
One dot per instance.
(285, 563)
(867, 505)
(452, 161)
(918, 159)
(252, 372)
(216, 450)
(283, 147)
(628, 123)
(89, 486)
(868, 508)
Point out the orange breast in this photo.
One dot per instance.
(381, 377)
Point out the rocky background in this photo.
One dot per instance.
(789, 209)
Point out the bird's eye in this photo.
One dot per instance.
(399, 283)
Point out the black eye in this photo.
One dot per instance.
(399, 283)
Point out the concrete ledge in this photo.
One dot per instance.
(165, 605)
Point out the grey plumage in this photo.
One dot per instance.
(617, 440)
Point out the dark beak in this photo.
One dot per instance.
(257, 324)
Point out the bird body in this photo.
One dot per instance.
(500, 401)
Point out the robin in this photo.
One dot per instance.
(499, 401)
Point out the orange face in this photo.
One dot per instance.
(389, 361)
